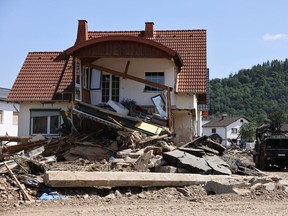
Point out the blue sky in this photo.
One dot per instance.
(240, 33)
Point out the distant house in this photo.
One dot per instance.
(8, 115)
(227, 128)
(163, 69)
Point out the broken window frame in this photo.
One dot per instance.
(156, 77)
(160, 104)
(78, 90)
(47, 120)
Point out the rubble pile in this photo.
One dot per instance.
(36, 164)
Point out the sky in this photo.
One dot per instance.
(240, 33)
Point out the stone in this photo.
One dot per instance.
(242, 191)
(256, 186)
(262, 180)
(213, 187)
(269, 186)
(166, 169)
(86, 196)
(141, 164)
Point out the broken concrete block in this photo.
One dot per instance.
(213, 187)
(37, 137)
(270, 186)
(141, 164)
(256, 186)
(218, 165)
(262, 180)
(166, 169)
(242, 191)
(190, 162)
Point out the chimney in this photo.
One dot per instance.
(82, 34)
(149, 29)
(224, 116)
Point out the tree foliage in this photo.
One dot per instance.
(255, 93)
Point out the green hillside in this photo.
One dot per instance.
(257, 93)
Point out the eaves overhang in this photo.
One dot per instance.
(127, 38)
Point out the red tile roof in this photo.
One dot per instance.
(189, 44)
(44, 76)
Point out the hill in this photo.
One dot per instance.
(256, 93)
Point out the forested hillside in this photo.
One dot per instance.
(256, 93)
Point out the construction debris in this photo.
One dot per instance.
(99, 147)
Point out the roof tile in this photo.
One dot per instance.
(190, 44)
(40, 77)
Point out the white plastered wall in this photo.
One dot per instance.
(24, 116)
(7, 125)
(133, 90)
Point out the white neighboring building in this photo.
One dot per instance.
(227, 128)
(9, 113)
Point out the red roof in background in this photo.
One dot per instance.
(44, 76)
(189, 44)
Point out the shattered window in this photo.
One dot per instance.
(156, 77)
(45, 122)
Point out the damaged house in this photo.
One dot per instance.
(150, 79)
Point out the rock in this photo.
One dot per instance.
(166, 169)
(141, 164)
(213, 187)
(283, 182)
(190, 162)
(262, 180)
(269, 186)
(256, 186)
(242, 191)
(110, 196)
(86, 196)
(118, 194)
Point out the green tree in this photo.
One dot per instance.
(248, 131)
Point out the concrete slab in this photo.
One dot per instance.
(190, 162)
(129, 179)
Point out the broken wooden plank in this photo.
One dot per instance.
(127, 179)
(26, 195)
(14, 139)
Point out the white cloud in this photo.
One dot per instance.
(275, 37)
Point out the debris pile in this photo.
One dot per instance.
(111, 145)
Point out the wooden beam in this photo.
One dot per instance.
(117, 73)
(127, 67)
(26, 195)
